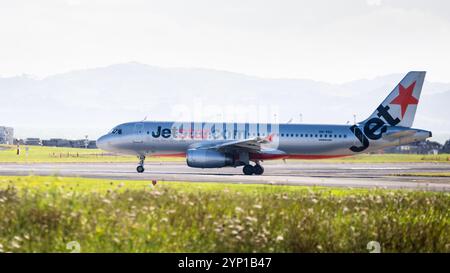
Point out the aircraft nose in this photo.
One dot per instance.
(101, 143)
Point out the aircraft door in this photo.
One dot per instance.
(138, 136)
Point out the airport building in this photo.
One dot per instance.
(60, 142)
(420, 147)
(6, 135)
(56, 142)
(33, 141)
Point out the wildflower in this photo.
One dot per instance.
(279, 238)
(156, 193)
(14, 244)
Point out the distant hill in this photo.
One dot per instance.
(93, 100)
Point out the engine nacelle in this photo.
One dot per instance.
(203, 158)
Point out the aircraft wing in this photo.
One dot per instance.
(250, 145)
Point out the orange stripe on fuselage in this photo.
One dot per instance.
(292, 156)
(266, 156)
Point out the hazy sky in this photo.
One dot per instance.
(333, 41)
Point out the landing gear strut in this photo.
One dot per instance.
(256, 170)
(140, 168)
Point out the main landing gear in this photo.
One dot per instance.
(256, 170)
(140, 168)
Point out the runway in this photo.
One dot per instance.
(353, 175)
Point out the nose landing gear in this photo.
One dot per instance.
(140, 168)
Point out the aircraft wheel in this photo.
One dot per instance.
(248, 170)
(140, 169)
(258, 169)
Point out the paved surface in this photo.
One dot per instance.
(356, 175)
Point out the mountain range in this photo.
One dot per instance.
(92, 101)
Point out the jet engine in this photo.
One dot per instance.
(204, 158)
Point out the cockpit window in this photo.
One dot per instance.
(116, 131)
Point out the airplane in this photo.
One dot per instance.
(217, 145)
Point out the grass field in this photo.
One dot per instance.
(391, 158)
(43, 214)
(39, 154)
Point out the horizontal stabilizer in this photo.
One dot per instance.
(399, 134)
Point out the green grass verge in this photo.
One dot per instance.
(40, 154)
(43, 214)
(391, 158)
